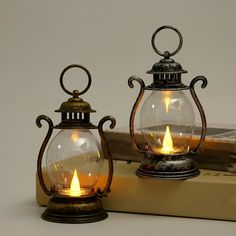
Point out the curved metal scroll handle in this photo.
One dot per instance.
(107, 153)
(42, 149)
(137, 146)
(76, 66)
(199, 106)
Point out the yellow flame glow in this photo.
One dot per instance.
(75, 185)
(167, 142)
(74, 136)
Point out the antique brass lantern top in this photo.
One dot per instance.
(167, 72)
(75, 111)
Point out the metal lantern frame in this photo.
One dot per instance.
(167, 77)
(75, 114)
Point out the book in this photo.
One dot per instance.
(217, 153)
(211, 195)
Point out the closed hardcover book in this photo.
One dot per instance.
(217, 153)
(211, 195)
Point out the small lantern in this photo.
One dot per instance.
(167, 119)
(73, 161)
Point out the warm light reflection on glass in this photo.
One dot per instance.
(167, 100)
(167, 103)
(74, 136)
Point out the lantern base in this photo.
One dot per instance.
(74, 210)
(168, 167)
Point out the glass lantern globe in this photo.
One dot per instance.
(167, 122)
(74, 160)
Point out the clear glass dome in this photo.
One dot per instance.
(74, 160)
(167, 122)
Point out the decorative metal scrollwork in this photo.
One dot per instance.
(201, 111)
(41, 151)
(141, 147)
(107, 153)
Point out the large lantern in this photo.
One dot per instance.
(167, 119)
(73, 161)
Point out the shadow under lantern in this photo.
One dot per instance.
(167, 119)
(73, 161)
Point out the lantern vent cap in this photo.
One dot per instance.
(75, 104)
(167, 65)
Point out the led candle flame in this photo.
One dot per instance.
(167, 142)
(75, 185)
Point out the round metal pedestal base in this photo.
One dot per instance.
(167, 175)
(168, 167)
(74, 210)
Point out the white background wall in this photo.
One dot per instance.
(112, 38)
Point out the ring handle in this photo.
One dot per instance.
(166, 53)
(76, 66)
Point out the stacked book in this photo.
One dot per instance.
(217, 153)
(210, 195)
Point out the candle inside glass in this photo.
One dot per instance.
(75, 190)
(75, 185)
(167, 142)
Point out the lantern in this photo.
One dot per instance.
(167, 119)
(73, 161)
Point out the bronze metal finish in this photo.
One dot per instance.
(107, 153)
(80, 67)
(200, 109)
(168, 167)
(164, 54)
(75, 114)
(74, 209)
(167, 76)
(42, 149)
(136, 144)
